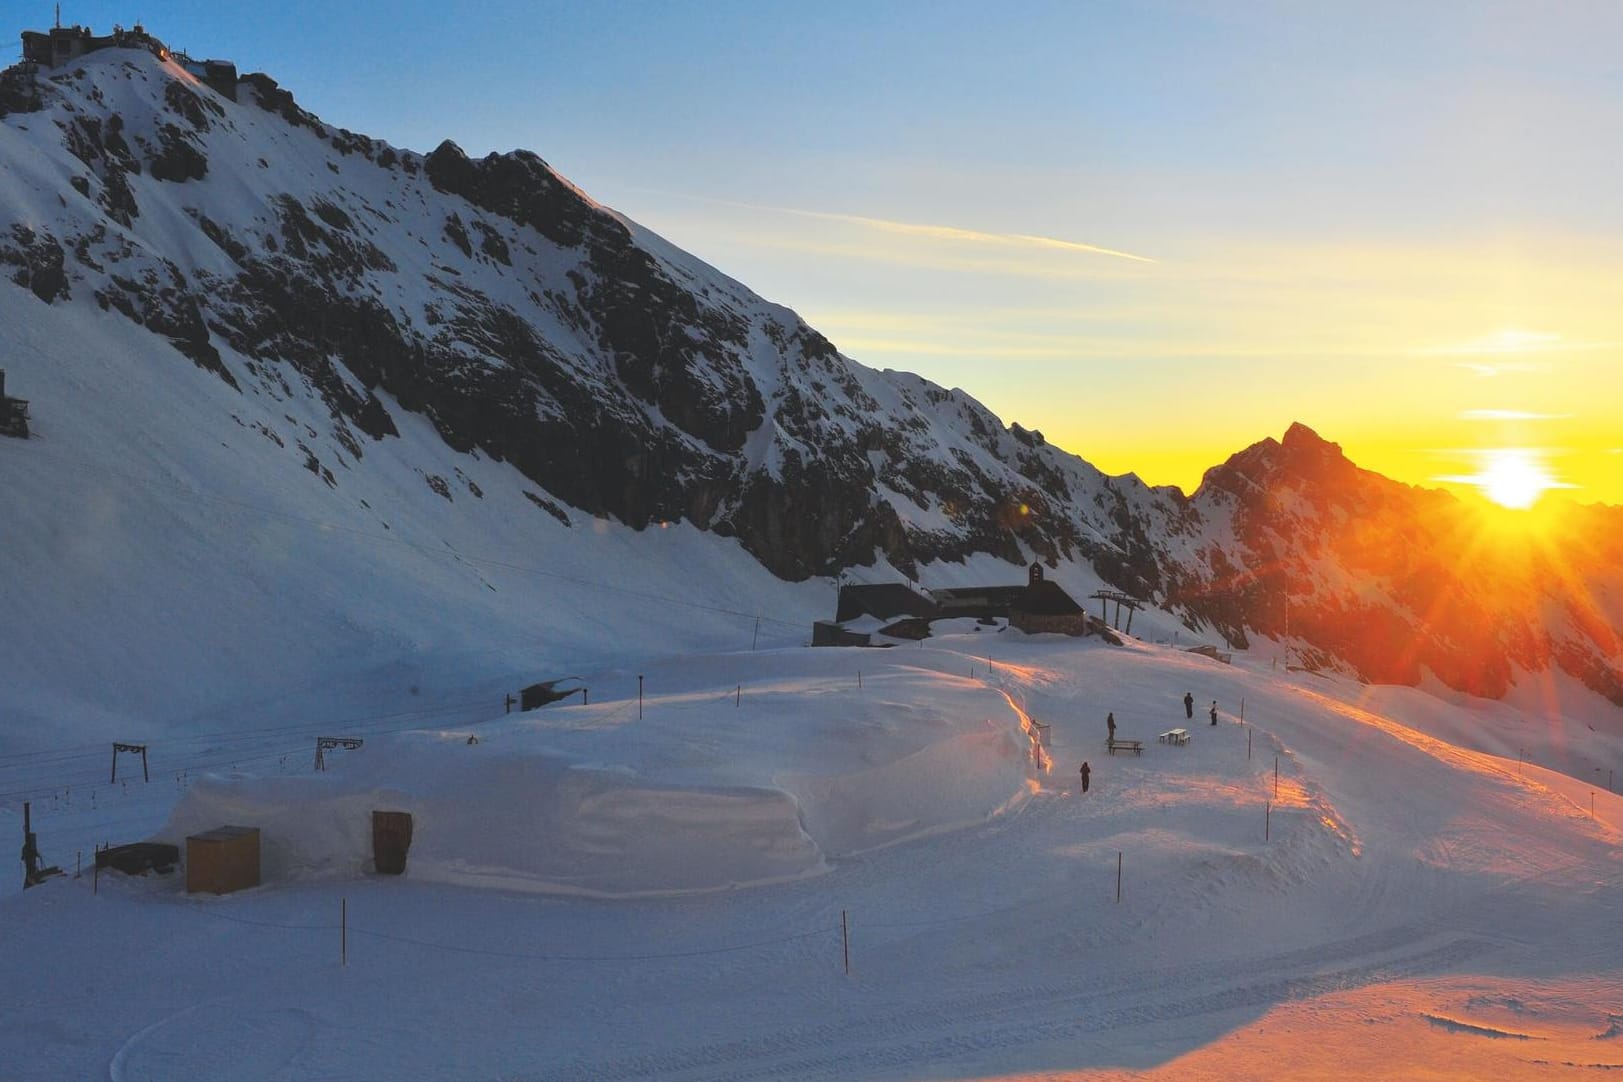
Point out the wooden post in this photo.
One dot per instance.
(1248, 745)
(78, 861)
(343, 931)
(507, 703)
(757, 636)
(845, 940)
(859, 679)
(1130, 610)
(1104, 612)
(1242, 711)
(738, 696)
(639, 696)
(1276, 777)
(1267, 819)
(586, 696)
(145, 777)
(1118, 877)
(114, 776)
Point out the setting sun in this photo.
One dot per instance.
(1514, 477)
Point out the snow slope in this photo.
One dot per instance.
(1400, 906)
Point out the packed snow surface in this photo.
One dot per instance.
(1401, 899)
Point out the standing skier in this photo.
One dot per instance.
(1188, 704)
(1086, 773)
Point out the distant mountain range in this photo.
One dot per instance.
(625, 380)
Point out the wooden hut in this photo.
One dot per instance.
(222, 860)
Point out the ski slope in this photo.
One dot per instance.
(1422, 905)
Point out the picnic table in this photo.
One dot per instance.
(1174, 736)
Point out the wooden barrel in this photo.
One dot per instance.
(391, 838)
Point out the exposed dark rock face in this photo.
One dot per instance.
(178, 160)
(38, 261)
(19, 91)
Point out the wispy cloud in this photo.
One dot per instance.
(926, 231)
(1511, 340)
(1511, 415)
(1493, 369)
(973, 236)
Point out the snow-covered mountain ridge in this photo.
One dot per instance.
(180, 265)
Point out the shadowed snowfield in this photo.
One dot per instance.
(575, 904)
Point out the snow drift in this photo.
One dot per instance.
(563, 802)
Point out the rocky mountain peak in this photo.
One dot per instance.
(493, 304)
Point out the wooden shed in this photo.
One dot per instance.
(391, 840)
(222, 860)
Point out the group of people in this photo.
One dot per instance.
(1189, 708)
(1110, 728)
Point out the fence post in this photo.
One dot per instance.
(1276, 777)
(845, 940)
(1118, 877)
(639, 696)
(343, 931)
(1248, 745)
(738, 695)
(1267, 819)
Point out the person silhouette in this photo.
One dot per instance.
(1086, 772)
(1188, 704)
(1110, 725)
(1214, 711)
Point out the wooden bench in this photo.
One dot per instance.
(1174, 736)
(1134, 746)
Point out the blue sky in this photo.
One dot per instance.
(1351, 211)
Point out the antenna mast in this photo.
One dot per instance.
(59, 16)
